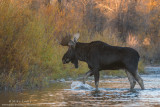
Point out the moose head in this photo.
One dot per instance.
(70, 56)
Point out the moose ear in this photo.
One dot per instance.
(71, 43)
(75, 37)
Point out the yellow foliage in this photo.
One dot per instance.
(146, 41)
(132, 41)
(30, 54)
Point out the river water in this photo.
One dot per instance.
(112, 92)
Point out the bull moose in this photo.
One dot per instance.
(102, 56)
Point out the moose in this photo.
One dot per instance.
(102, 56)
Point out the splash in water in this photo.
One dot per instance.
(79, 85)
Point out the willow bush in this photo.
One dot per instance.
(30, 53)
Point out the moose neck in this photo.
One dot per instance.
(81, 50)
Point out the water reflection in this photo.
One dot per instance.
(112, 92)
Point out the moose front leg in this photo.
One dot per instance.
(89, 73)
(96, 79)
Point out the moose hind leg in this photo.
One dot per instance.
(89, 73)
(131, 80)
(139, 79)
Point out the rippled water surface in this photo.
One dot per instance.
(112, 92)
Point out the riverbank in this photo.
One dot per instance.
(31, 32)
(74, 75)
(113, 92)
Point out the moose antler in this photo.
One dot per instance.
(65, 40)
(76, 36)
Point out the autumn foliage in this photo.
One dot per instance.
(31, 30)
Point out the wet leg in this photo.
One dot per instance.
(139, 79)
(96, 79)
(131, 80)
(89, 73)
